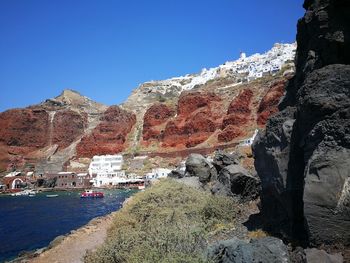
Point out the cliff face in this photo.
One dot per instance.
(303, 156)
(35, 134)
(204, 118)
(216, 107)
(109, 136)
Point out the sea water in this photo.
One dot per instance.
(28, 223)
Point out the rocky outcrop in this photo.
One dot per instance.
(24, 128)
(269, 103)
(238, 115)
(303, 157)
(22, 131)
(313, 255)
(264, 250)
(197, 165)
(222, 159)
(198, 117)
(110, 134)
(68, 126)
(156, 115)
(237, 181)
(192, 101)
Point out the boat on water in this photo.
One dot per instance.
(91, 194)
(50, 196)
(26, 192)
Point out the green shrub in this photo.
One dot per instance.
(167, 223)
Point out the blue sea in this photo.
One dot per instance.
(28, 223)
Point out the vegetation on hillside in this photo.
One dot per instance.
(169, 222)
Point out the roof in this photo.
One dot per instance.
(12, 174)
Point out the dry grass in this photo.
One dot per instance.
(259, 233)
(169, 222)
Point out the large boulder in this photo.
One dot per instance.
(236, 180)
(264, 250)
(303, 156)
(197, 165)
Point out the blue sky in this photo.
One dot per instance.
(106, 48)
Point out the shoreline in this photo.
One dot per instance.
(71, 247)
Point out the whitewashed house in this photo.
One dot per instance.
(248, 142)
(158, 173)
(106, 170)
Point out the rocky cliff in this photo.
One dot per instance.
(216, 107)
(303, 156)
(45, 135)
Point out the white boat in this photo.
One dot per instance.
(25, 192)
(51, 196)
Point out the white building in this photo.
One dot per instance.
(252, 67)
(249, 141)
(13, 174)
(105, 163)
(109, 179)
(106, 170)
(158, 173)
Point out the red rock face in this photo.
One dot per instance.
(198, 117)
(156, 115)
(191, 101)
(24, 128)
(229, 133)
(68, 126)
(241, 104)
(238, 115)
(21, 131)
(269, 103)
(110, 135)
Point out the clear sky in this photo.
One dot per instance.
(106, 48)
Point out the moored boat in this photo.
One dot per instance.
(91, 194)
(26, 192)
(50, 196)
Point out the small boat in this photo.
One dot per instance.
(141, 187)
(91, 194)
(25, 192)
(51, 196)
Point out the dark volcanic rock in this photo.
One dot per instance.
(323, 39)
(222, 159)
(176, 174)
(264, 250)
(197, 165)
(304, 155)
(238, 181)
(323, 133)
(314, 255)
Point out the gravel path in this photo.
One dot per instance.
(73, 247)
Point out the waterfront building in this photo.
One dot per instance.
(14, 182)
(105, 163)
(106, 170)
(158, 173)
(70, 179)
(105, 178)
